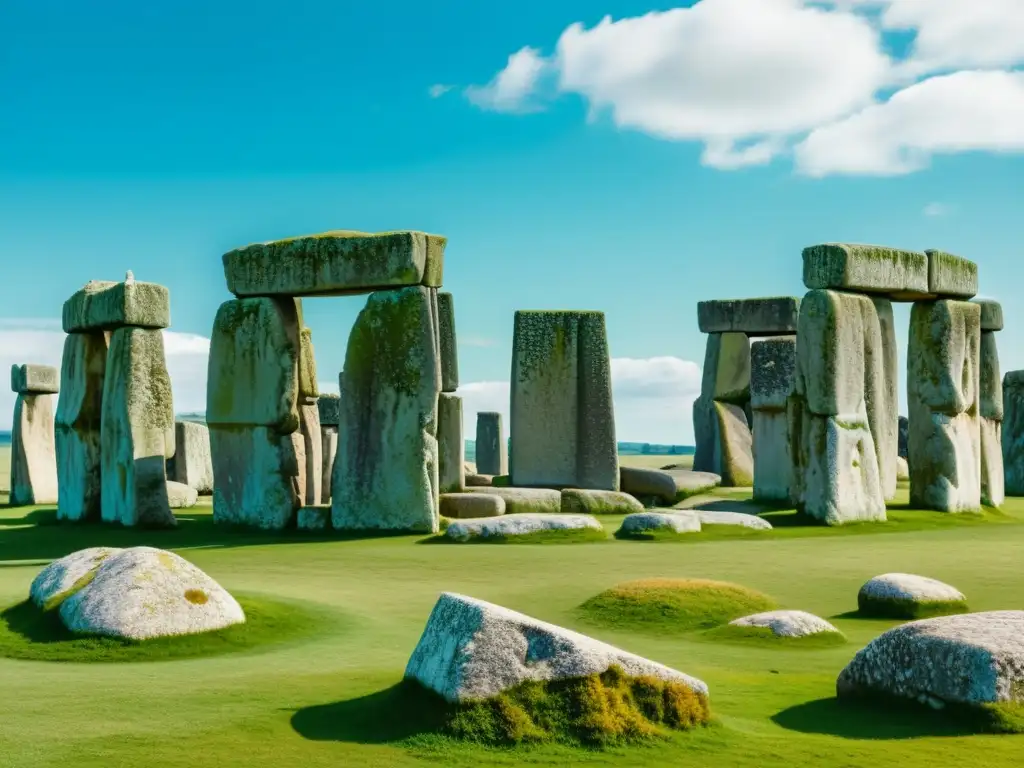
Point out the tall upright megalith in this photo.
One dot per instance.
(33, 455)
(991, 406)
(192, 464)
(77, 425)
(562, 415)
(772, 378)
(329, 407)
(447, 341)
(451, 446)
(882, 399)
(252, 408)
(1013, 432)
(491, 447)
(386, 472)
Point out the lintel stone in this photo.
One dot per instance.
(991, 314)
(774, 316)
(336, 263)
(901, 275)
(951, 276)
(106, 306)
(32, 379)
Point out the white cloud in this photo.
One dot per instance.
(42, 341)
(653, 400)
(513, 88)
(946, 114)
(934, 210)
(438, 90)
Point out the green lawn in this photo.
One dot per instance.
(329, 698)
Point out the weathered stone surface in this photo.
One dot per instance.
(449, 343)
(471, 505)
(518, 524)
(943, 388)
(337, 262)
(904, 437)
(690, 482)
(254, 365)
(991, 420)
(30, 379)
(993, 490)
(727, 368)
(33, 454)
(724, 442)
(991, 314)
(772, 373)
(328, 452)
(773, 456)
(309, 390)
(902, 469)
(137, 430)
(563, 419)
(654, 522)
(451, 447)
(903, 275)
(313, 518)
(61, 577)
(491, 447)
(725, 517)
(526, 500)
(474, 480)
(77, 426)
(180, 496)
(330, 409)
(137, 594)
(990, 379)
(106, 306)
(950, 275)
(881, 397)
(905, 588)
(386, 473)
(257, 479)
(787, 623)
(192, 463)
(754, 317)
(974, 658)
(582, 502)
(665, 485)
(313, 448)
(1013, 432)
(474, 650)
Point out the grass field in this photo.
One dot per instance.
(329, 699)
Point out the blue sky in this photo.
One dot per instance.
(636, 165)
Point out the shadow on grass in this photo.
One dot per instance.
(876, 720)
(394, 714)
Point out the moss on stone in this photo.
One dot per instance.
(83, 581)
(389, 330)
(897, 608)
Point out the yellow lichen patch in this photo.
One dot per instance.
(166, 561)
(196, 596)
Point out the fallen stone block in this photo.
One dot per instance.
(526, 500)
(906, 596)
(790, 624)
(576, 501)
(471, 505)
(655, 523)
(521, 524)
(725, 517)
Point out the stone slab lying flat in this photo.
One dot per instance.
(724, 517)
(903, 275)
(668, 521)
(666, 485)
(526, 500)
(991, 314)
(905, 589)
(787, 623)
(583, 502)
(32, 379)
(472, 650)
(518, 525)
(973, 659)
(951, 276)
(336, 262)
(462, 506)
(105, 306)
(774, 316)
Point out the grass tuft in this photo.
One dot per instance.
(875, 608)
(673, 605)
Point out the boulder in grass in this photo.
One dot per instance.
(666, 486)
(181, 496)
(471, 505)
(791, 624)
(975, 659)
(576, 501)
(135, 594)
(515, 525)
(906, 596)
(475, 480)
(724, 517)
(526, 500)
(655, 524)
(471, 650)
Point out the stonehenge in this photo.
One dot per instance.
(33, 452)
(772, 378)
(1013, 433)
(491, 448)
(329, 407)
(990, 413)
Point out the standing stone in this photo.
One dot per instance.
(192, 464)
(772, 378)
(137, 430)
(1013, 432)
(882, 399)
(991, 420)
(449, 344)
(308, 387)
(385, 473)
(943, 387)
(491, 446)
(33, 455)
(77, 425)
(563, 419)
(720, 423)
(329, 406)
(451, 447)
(839, 360)
(312, 441)
(904, 437)
(260, 476)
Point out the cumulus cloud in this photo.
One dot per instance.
(653, 399)
(959, 112)
(753, 81)
(42, 341)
